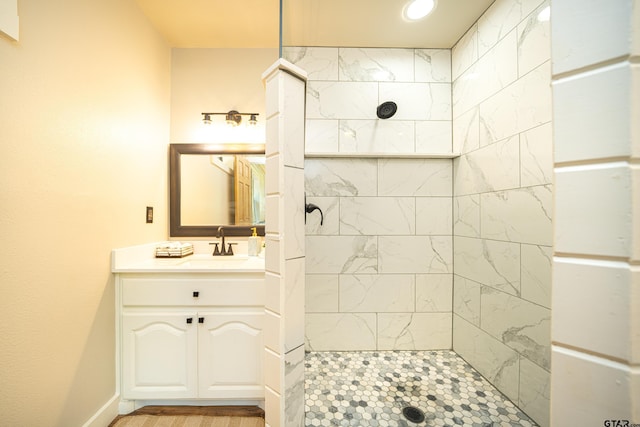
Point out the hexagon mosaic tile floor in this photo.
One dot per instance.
(373, 389)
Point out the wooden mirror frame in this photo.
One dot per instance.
(176, 229)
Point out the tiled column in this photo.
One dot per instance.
(284, 308)
(596, 278)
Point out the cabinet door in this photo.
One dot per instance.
(230, 355)
(159, 357)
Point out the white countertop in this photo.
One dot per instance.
(141, 259)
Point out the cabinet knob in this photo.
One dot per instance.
(189, 320)
(196, 294)
(200, 319)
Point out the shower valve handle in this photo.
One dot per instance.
(310, 207)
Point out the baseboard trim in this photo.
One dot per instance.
(106, 414)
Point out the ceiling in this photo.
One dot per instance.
(346, 23)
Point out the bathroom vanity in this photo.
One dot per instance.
(189, 329)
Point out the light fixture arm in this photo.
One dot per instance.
(233, 117)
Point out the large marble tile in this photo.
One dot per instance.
(520, 324)
(376, 65)
(491, 168)
(320, 63)
(466, 299)
(536, 156)
(377, 215)
(523, 105)
(273, 287)
(272, 363)
(535, 392)
(273, 219)
(466, 131)
(434, 292)
(595, 209)
(272, 182)
(594, 107)
(466, 215)
(327, 224)
(293, 213)
(341, 177)
(433, 65)
(294, 388)
(536, 274)
(340, 331)
(595, 307)
(377, 136)
(321, 293)
(433, 136)
(534, 39)
(498, 21)
(465, 52)
(491, 73)
(415, 254)
(341, 100)
(586, 388)
(414, 331)
(342, 254)
(523, 215)
(418, 101)
(294, 297)
(321, 136)
(292, 121)
(489, 262)
(433, 216)
(272, 405)
(601, 33)
(377, 293)
(414, 177)
(495, 361)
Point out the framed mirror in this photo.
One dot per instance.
(213, 185)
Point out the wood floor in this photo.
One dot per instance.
(233, 413)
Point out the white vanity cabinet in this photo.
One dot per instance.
(191, 335)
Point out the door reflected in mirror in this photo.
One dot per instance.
(213, 185)
(222, 189)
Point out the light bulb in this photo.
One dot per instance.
(418, 9)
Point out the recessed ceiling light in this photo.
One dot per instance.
(418, 9)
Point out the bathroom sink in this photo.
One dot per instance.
(235, 262)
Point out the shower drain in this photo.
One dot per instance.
(413, 414)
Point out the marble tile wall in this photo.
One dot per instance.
(380, 268)
(284, 254)
(596, 279)
(503, 201)
(347, 84)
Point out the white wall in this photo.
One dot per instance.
(379, 269)
(596, 286)
(503, 203)
(84, 116)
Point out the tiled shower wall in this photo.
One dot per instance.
(502, 204)
(379, 268)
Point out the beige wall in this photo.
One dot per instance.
(84, 125)
(217, 80)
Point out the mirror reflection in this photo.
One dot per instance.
(213, 185)
(222, 189)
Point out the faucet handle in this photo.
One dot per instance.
(216, 249)
(229, 249)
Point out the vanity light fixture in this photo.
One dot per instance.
(418, 9)
(233, 117)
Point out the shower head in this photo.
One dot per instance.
(386, 110)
